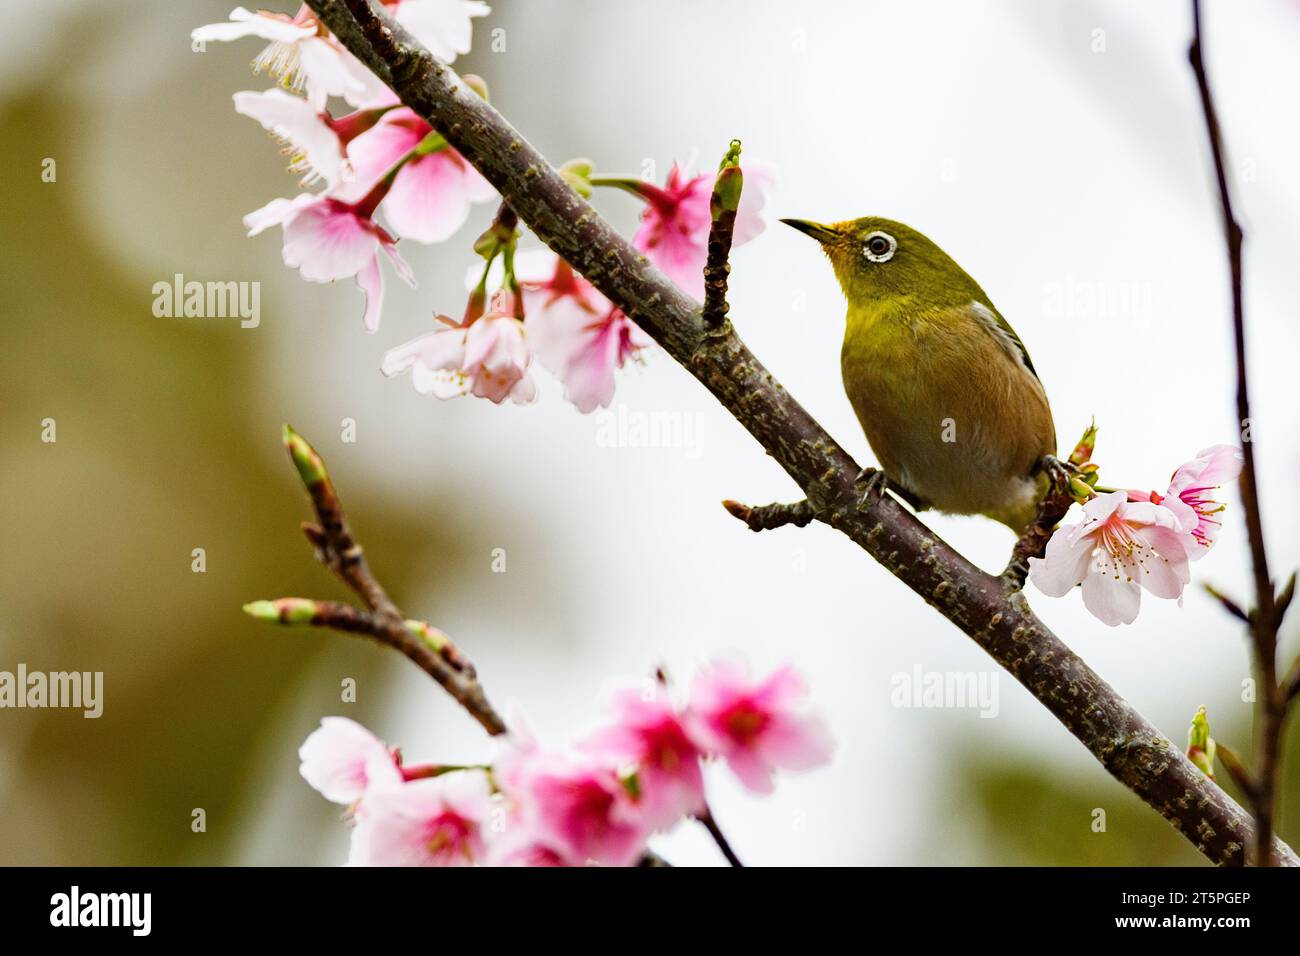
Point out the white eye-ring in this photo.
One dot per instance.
(879, 247)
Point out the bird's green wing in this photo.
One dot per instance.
(1001, 330)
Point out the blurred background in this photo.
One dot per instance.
(1054, 149)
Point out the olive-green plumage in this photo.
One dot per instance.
(942, 385)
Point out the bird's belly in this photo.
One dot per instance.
(956, 424)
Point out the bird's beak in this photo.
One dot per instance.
(822, 234)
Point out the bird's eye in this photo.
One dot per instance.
(879, 247)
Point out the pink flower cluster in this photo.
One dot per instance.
(379, 157)
(598, 802)
(1129, 541)
(573, 330)
(386, 175)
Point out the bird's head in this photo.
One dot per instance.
(876, 258)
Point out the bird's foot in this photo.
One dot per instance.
(873, 483)
(1060, 472)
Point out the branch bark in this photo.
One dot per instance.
(1124, 742)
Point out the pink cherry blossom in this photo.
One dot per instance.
(648, 735)
(431, 193)
(580, 807)
(345, 762)
(301, 53)
(437, 821)
(327, 239)
(519, 847)
(488, 358)
(1190, 499)
(316, 147)
(758, 727)
(674, 231)
(1118, 549)
(444, 26)
(576, 332)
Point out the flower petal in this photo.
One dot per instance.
(429, 199)
(293, 119)
(1112, 601)
(244, 23)
(370, 280)
(327, 240)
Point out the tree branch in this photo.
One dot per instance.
(430, 649)
(1130, 748)
(1264, 620)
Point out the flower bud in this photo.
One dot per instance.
(477, 84)
(1200, 745)
(577, 173)
(1080, 490)
(727, 187)
(311, 469)
(1082, 453)
(282, 611)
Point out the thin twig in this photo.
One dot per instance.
(1124, 742)
(1238, 771)
(710, 824)
(1264, 619)
(1227, 603)
(723, 204)
(335, 546)
(339, 551)
(430, 649)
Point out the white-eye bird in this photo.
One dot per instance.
(941, 383)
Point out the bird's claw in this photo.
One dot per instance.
(873, 482)
(1060, 472)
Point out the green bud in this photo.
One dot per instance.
(311, 469)
(1080, 490)
(1200, 745)
(1082, 453)
(488, 244)
(477, 84)
(727, 187)
(282, 611)
(731, 157)
(431, 636)
(577, 173)
(726, 191)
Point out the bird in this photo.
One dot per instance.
(943, 387)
